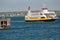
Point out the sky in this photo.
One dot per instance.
(21, 5)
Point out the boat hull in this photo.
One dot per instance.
(39, 19)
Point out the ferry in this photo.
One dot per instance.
(43, 15)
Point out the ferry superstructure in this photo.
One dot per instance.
(43, 15)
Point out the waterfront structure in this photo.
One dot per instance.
(4, 23)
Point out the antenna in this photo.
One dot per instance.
(44, 4)
(29, 11)
(28, 8)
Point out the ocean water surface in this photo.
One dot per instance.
(21, 30)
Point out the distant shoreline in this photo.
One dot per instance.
(22, 13)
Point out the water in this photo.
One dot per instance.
(21, 30)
